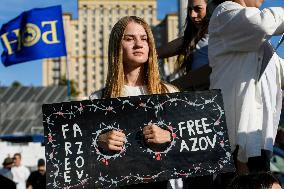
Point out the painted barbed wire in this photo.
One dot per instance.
(104, 157)
(55, 173)
(198, 168)
(113, 182)
(158, 155)
(98, 106)
(149, 104)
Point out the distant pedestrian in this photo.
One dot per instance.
(37, 179)
(7, 166)
(20, 172)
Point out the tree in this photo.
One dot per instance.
(16, 84)
(73, 86)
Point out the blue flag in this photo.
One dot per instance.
(34, 34)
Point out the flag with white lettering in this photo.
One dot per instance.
(35, 34)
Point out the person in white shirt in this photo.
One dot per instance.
(239, 51)
(20, 172)
(133, 70)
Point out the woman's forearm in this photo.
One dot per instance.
(171, 48)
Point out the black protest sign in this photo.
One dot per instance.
(196, 120)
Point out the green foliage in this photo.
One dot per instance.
(73, 86)
(16, 84)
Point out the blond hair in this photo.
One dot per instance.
(115, 76)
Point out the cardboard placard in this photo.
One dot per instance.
(196, 120)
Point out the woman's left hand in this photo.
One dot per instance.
(154, 134)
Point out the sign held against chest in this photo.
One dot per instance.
(196, 121)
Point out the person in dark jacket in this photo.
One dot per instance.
(37, 179)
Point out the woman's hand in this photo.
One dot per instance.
(112, 140)
(154, 134)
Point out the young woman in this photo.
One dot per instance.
(192, 48)
(133, 70)
(250, 75)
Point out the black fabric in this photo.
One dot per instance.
(153, 185)
(199, 182)
(7, 183)
(255, 165)
(37, 180)
(260, 163)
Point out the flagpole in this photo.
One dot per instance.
(68, 80)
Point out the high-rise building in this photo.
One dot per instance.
(164, 32)
(87, 41)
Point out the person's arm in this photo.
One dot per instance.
(245, 29)
(28, 173)
(170, 49)
(29, 182)
(193, 79)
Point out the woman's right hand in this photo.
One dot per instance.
(112, 140)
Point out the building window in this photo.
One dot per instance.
(56, 74)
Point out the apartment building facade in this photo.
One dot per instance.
(167, 30)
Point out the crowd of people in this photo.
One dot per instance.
(14, 175)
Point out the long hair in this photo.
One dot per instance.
(262, 180)
(115, 76)
(193, 34)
